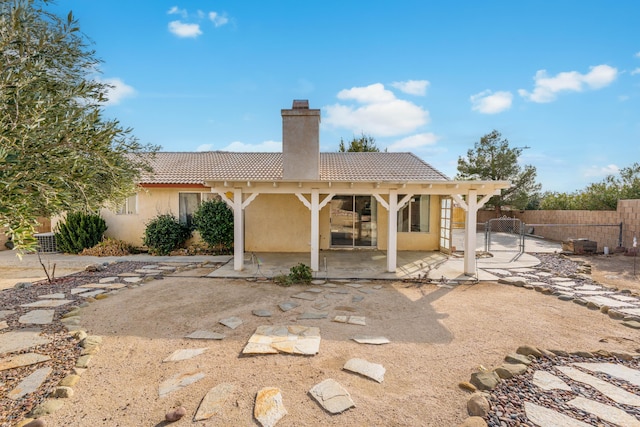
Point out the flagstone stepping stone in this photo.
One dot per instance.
(334, 297)
(320, 305)
(150, 267)
(591, 293)
(330, 285)
(6, 313)
(288, 305)
(346, 308)
(547, 381)
(269, 408)
(231, 322)
(631, 311)
(625, 298)
(30, 383)
(205, 335)
(37, 317)
(93, 285)
(47, 303)
(261, 313)
(357, 298)
(314, 290)
(108, 279)
(184, 354)
(352, 320)
(340, 291)
(366, 291)
(21, 340)
(148, 271)
(308, 296)
(332, 396)
(317, 282)
(561, 279)
(353, 285)
(294, 339)
(378, 287)
(167, 268)
(588, 288)
(52, 296)
(613, 392)
(128, 274)
(542, 416)
(633, 324)
(543, 274)
(179, 381)
(619, 371)
(514, 280)
(92, 293)
(610, 302)
(76, 291)
(308, 315)
(342, 280)
(369, 339)
(498, 271)
(136, 279)
(523, 270)
(20, 360)
(374, 371)
(213, 401)
(606, 412)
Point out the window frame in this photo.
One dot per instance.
(125, 207)
(407, 216)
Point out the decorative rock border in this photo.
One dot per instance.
(484, 381)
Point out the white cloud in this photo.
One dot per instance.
(636, 71)
(487, 102)
(601, 171)
(181, 29)
(117, 91)
(238, 146)
(175, 10)
(637, 55)
(413, 142)
(546, 88)
(217, 19)
(412, 87)
(381, 113)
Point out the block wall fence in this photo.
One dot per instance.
(599, 226)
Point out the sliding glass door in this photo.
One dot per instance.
(353, 222)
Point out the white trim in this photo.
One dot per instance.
(392, 232)
(315, 229)
(249, 199)
(303, 200)
(238, 230)
(380, 200)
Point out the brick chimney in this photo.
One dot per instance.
(301, 142)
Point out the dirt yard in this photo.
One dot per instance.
(615, 270)
(439, 336)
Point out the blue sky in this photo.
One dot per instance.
(561, 77)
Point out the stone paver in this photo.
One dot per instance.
(606, 412)
(353, 285)
(30, 383)
(47, 303)
(37, 317)
(613, 392)
(546, 417)
(214, 401)
(547, 381)
(294, 339)
(610, 302)
(179, 381)
(352, 320)
(269, 407)
(371, 370)
(374, 340)
(185, 354)
(619, 371)
(288, 305)
(332, 396)
(262, 313)
(52, 296)
(231, 322)
(307, 296)
(133, 279)
(93, 293)
(6, 313)
(21, 340)
(20, 360)
(310, 315)
(205, 335)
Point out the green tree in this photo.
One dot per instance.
(57, 152)
(365, 143)
(493, 159)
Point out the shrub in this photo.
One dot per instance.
(79, 231)
(110, 247)
(165, 233)
(300, 273)
(214, 221)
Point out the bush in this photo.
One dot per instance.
(214, 221)
(79, 231)
(110, 247)
(300, 273)
(164, 234)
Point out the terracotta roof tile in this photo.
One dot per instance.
(198, 167)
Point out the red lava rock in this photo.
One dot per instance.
(175, 414)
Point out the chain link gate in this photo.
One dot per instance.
(506, 234)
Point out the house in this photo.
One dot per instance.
(302, 200)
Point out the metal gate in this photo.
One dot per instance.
(504, 234)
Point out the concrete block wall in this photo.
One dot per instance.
(599, 226)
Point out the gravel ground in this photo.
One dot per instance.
(507, 399)
(63, 348)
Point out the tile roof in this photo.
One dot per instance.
(198, 167)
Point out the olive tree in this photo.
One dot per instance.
(57, 151)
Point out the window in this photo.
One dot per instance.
(189, 203)
(414, 216)
(129, 207)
